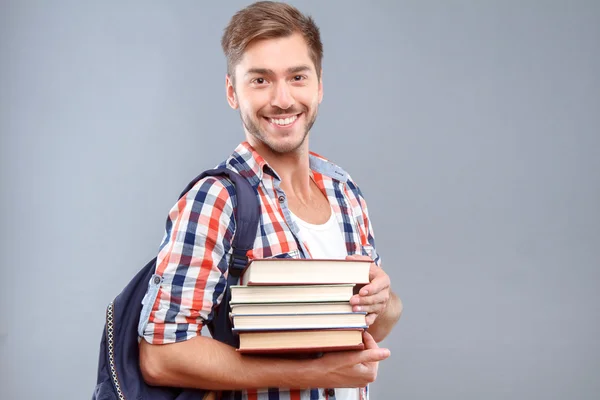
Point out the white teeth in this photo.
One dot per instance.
(283, 122)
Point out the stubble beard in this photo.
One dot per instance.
(253, 129)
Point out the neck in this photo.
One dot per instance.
(293, 168)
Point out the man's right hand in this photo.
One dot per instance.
(347, 369)
(221, 367)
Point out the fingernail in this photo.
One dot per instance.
(358, 308)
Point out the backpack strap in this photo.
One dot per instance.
(246, 219)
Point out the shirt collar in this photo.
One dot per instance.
(252, 166)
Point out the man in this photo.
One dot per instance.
(310, 208)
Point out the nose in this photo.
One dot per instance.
(282, 96)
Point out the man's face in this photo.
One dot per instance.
(278, 93)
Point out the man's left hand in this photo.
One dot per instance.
(373, 297)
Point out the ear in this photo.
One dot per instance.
(321, 87)
(230, 92)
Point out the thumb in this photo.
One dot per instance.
(373, 355)
(372, 352)
(369, 342)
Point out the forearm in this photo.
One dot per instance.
(384, 323)
(205, 363)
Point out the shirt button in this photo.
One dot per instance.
(329, 392)
(281, 199)
(156, 280)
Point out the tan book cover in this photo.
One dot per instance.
(257, 322)
(308, 341)
(291, 294)
(290, 308)
(293, 271)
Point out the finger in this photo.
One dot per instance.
(381, 297)
(376, 355)
(369, 342)
(376, 308)
(372, 309)
(379, 281)
(374, 270)
(373, 355)
(359, 257)
(370, 319)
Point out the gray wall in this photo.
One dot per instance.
(472, 126)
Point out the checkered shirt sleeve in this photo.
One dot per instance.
(192, 261)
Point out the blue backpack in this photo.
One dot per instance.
(119, 374)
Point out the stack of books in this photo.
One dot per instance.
(299, 305)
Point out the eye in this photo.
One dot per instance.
(258, 81)
(299, 78)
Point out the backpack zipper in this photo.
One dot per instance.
(111, 349)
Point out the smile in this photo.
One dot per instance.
(284, 122)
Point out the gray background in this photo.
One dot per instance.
(472, 127)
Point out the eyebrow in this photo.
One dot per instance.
(266, 71)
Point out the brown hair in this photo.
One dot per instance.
(269, 20)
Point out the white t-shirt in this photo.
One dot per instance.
(326, 241)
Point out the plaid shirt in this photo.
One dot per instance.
(195, 250)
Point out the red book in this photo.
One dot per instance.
(305, 341)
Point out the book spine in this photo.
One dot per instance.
(302, 328)
(301, 314)
(359, 346)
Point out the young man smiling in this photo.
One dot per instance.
(309, 208)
